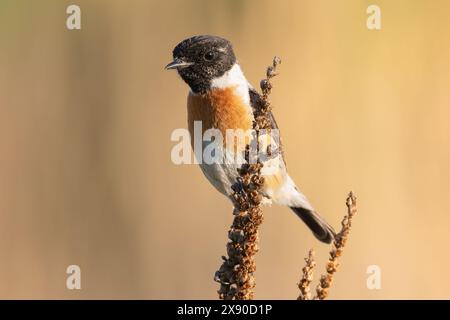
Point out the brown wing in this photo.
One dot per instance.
(256, 102)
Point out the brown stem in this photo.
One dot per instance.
(339, 243)
(307, 277)
(236, 274)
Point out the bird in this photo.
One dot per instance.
(221, 98)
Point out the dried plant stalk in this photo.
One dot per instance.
(339, 243)
(307, 277)
(338, 246)
(236, 274)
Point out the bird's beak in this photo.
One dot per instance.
(177, 63)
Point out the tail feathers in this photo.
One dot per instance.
(319, 227)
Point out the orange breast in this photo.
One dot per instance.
(220, 109)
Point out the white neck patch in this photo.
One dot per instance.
(234, 78)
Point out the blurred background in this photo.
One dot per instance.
(86, 117)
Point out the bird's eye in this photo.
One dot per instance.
(209, 55)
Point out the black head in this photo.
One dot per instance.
(201, 59)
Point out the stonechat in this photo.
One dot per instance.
(221, 98)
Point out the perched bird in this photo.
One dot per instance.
(222, 98)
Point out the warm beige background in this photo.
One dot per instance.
(85, 123)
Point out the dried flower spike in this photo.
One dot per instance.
(236, 274)
(339, 243)
(307, 277)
